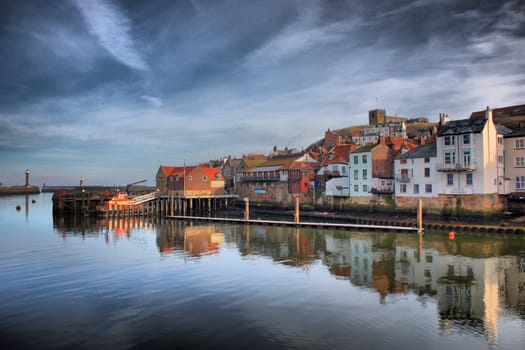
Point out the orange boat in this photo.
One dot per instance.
(119, 202)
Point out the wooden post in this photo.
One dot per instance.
(297, 210)
(420, 216)
(172, 205)
(247, 208)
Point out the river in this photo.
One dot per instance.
(143, 283)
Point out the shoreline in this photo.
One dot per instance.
(492, 224)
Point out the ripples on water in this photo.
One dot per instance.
(140, 283)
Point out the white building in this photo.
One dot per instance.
(415, 172)
(467, 157)
(371, 135)
(335, 170)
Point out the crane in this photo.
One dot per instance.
(128, 186)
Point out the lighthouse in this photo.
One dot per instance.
(27, 178)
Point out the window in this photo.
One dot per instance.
(450, 179)
(428, 188)
(466, 158)
(469, 178)
(416, 188)
(402, 188)
(403, 161)
(219, 176)
(520, 182)
(466, 139)
(427, 160)
(519, 143)
(365, 174)
(356, 174)
(365, 188)
(520, 162)
(343, 170)
(427, 172)
(500, 159)
(450, 157)
(449, 141)
(356, 188)
(190, 178)
(356, 159)
(500, 139)
(205, 178)
(364, 159)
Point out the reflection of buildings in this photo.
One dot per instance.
(202, 240)
(196, 240)
(295, 249)
(471, 292)
(365, 264)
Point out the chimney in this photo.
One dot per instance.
(443, 119)
(489, 115)
(382, 139)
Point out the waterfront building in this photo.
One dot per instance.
(415, 175)
(515, 162)
(334, 171)
(467, 163)
(199, 180)
(371, 167)
(277, 179)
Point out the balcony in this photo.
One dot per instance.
(246, 178)
(456, 167)
(403, 178)
(332, 173)
(382, 190)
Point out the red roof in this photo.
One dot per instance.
(504, 111)
(177, 170)
(339, 154)
(211, 172)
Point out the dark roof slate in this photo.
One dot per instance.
(463, 126)
(517, 133)
(502, 129)
(424, 151)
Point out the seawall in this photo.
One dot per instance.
(17, 190)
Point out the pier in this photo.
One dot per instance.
(100, 201)
(303, 224)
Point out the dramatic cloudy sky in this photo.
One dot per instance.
(108, 90)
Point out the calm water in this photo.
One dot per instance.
(128, 284)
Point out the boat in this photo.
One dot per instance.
(120, 202)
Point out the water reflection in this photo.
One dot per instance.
(473, 279)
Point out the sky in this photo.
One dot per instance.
(110, 90)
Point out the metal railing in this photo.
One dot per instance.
(457, 167)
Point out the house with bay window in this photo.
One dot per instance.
(467, 163)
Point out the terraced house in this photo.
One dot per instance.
(515, 162)
(461, 170)
(278, 179)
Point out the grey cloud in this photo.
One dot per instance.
(113, 31)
